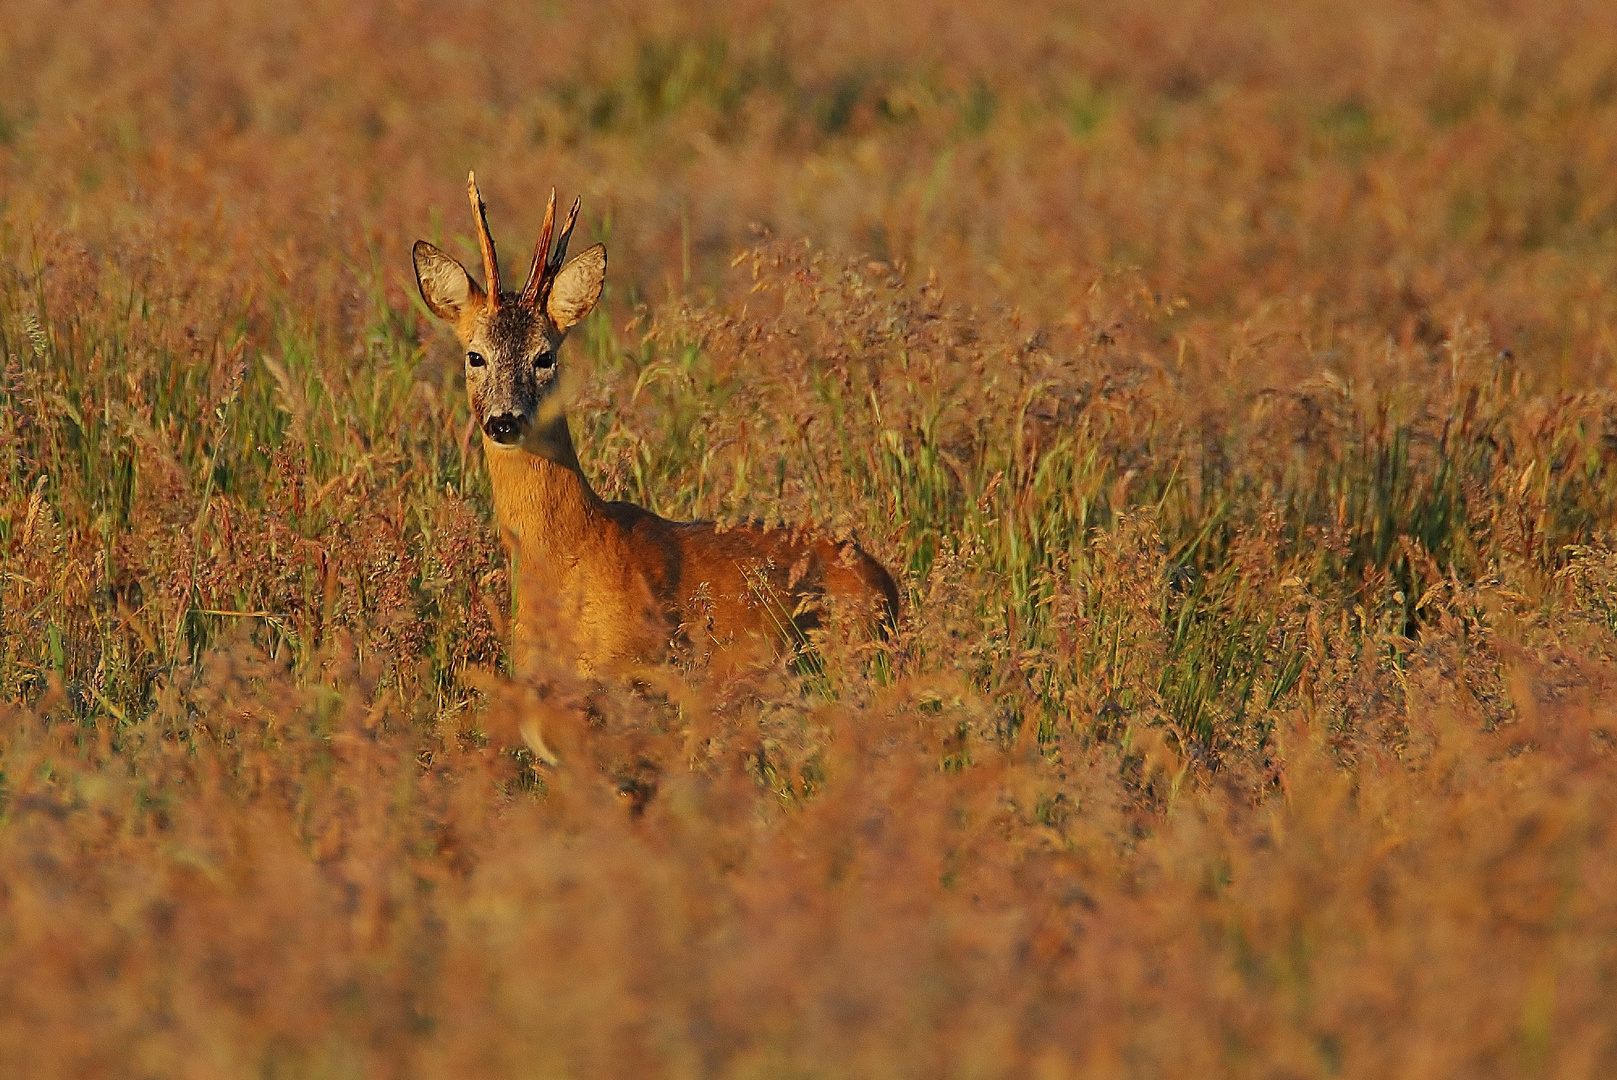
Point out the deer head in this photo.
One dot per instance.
(511, 339)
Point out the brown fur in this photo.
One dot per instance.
(604, 585)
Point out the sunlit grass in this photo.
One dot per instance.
(1227, 389)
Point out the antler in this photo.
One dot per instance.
(536, 272)
(491, 265)
(542, 274)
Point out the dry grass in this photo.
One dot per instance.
(1228, 385)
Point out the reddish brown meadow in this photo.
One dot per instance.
(1229, 388)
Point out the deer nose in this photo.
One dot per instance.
(504, 429)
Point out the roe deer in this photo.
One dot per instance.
(617, 579)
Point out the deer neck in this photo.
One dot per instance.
(544, 503)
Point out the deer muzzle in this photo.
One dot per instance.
(505, 429)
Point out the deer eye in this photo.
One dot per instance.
(475, 359)
(544, 361)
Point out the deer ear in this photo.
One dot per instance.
(445, 285)
(577, 287)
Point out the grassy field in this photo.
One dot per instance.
(1230, 388)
